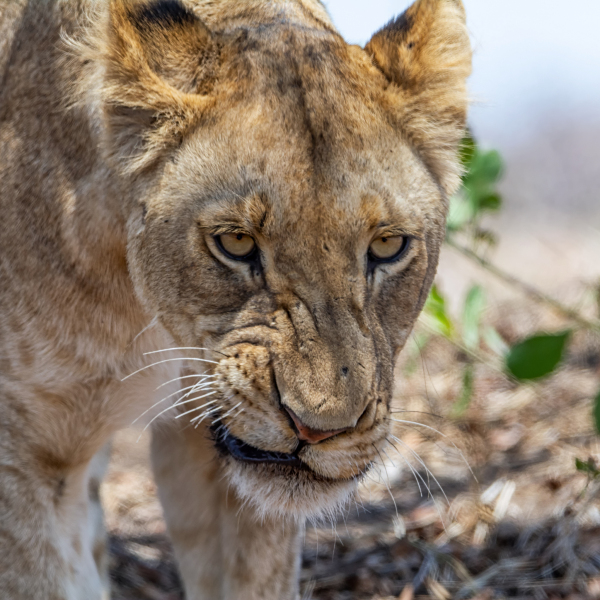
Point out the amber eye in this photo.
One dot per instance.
(388, 248)
(239, 246)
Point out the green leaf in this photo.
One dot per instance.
(467, 150)
(588, 467)
(536, 356)
(416, 344)
(481, 197)
(491, 166)
(435, 313)
(474, 306)
(491, 201)
(478, 193)
(466, 394)
(486, 168)
(597, 412)
(460, 213)
(494, 341)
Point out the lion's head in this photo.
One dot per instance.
(289, 206)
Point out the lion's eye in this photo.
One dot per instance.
(387, 249)
(236, 245)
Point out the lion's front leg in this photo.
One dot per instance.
(225, 551)
(52, 540)
(261, 558)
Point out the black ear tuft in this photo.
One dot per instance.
(163, 13)
(399, 26)
(160, 63)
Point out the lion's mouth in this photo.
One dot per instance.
(244, 452)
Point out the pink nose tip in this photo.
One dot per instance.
(307, 434)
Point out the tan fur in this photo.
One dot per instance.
(131, 136)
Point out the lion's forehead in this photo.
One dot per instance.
(305, 125)
(228, 14)
(307, 177)
(310, 80)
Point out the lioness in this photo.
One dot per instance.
(218, 215)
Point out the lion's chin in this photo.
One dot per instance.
(281, 486)
(288, 493)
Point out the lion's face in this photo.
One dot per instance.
(293, 233)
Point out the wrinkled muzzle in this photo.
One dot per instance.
(324, 364)
(310, 382)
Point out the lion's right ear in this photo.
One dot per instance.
(426, 56)
(158, 62)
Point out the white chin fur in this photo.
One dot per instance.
(295, 498)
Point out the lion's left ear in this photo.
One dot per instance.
(159, 61)
(426, 55)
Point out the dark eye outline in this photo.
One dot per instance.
(374, 260)
(250, 257)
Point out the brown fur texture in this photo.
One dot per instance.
(132, 135)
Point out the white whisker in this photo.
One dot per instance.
(444, 436)
(416, 455)
(226, 414)
(418, 412)
(233, 417)
(427, 470)
(360, 501)
(368, 476)
(238, 413)
(152, 323)
(415, 473)
(203, 376)
(437, 508)
(162, 412)
(389, 489)
(196, 398)
(197, 408)
(195, 388)
(190, 387)
(387, 476)
(359, 471)
(208, 411)
(176, 349)
(160, 362)
(179, 403)
(201, 418)
(411, 469)
(393, 463)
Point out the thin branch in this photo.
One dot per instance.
(472, 354)
(481, 358)
(525, 288)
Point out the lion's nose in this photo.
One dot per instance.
(307, 434)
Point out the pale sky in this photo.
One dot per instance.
(533, 58)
